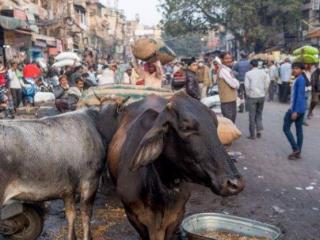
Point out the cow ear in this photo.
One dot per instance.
(151, 146)
(148, 151)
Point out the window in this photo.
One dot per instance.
(81, 15)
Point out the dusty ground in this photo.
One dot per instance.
(278, 191)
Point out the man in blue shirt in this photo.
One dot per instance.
(296, 112)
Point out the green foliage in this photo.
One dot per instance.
(252, 22)
(185, 45)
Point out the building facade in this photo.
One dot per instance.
(311, 22)
(32, 29)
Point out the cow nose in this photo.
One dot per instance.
(233, 186)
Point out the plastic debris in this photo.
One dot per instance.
(261, 177)
(315, 209)
(299, 188)
(245, 168)
(310, 188)
(278, 209)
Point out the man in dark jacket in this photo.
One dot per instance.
(192, 83)
(61, 94)
(315, 83)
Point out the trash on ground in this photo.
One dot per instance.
(278, 209)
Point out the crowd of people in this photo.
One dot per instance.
(245, 84)
(256, 81)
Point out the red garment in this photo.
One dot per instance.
(2, 80)
(140, 82)
(31, 71)
(179, 75)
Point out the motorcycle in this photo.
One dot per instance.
(21, 221)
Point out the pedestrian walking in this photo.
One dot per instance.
(296, 112)
(228, 86)
(203, 74)
(256, 86)
(285, 77)
(240, 69)
(315, 85)
(15, 84)
(274, 76)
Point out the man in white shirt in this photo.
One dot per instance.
(107, 77)
(15, 85)
(274, 76)
(257, 84)
(285, 77)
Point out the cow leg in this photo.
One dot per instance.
(86, 214)
(70, 210)
(140, 228)
(176, 215)
(173, 231)
(88, 192)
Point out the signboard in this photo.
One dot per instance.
(19, 14)
(9, 37)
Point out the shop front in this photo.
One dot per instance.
(14, 41)
(43, 47)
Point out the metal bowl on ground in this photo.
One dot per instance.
(195, 225)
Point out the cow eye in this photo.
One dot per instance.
(189, 126)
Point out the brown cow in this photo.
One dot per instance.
(161, 145)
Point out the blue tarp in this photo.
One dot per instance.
(11, 23)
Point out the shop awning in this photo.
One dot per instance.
(315, 33)
(50, 41)
(12, 23)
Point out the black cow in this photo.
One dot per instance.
(159, 147)
(55, 158)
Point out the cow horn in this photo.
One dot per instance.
(126, 99)
(97, 96)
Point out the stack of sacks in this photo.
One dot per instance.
(44, 98)
(151, 50)
(135, 93)
(67, 59)
(306, 54)
(227, 131)
(165, 54)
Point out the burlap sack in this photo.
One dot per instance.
(164, 54)
(145, 49)
(135, 93)
(227, 131)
